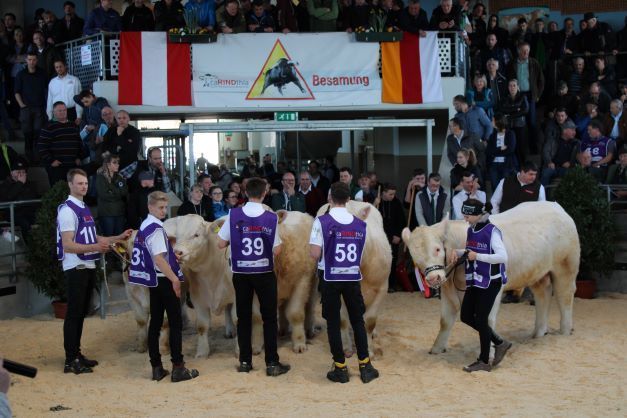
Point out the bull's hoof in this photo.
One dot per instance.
(437, 350)
(299, 347)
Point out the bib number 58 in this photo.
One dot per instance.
(346, 252)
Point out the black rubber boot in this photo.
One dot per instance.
(367, 372)
(181, 373)
(338, 374)
(158, 373)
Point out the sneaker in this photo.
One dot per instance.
(367, 372)
(478, 366)
(87, 362)
(181, 373)
(277, 368)
(338, 374)
(76, 367)
(158, 373)
(499, 352)
(244, 367)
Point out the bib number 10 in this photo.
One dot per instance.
(346, 252)
(250, 246)
(89, 235)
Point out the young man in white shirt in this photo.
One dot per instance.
(63, 88)
(470, 190)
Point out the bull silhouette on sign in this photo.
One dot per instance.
(281, 74)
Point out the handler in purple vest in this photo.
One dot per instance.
(154, 265)
(485, 274)
(78, 246)
(252, 232)
(337, 241)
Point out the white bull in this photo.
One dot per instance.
(543, 254)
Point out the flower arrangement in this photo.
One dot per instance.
(191, 32)
(378, 31)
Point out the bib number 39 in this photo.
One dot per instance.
(250, 246)
(346, 252)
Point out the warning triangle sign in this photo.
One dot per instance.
(279, 79)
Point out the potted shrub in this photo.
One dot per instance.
(191, 33)
(43, 268)
(377, 32)
(582, 198)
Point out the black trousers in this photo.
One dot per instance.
(80, 285)
(163, 299)
(264, 285)
(332, 292)
(476, 308)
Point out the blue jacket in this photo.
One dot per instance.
(205, 10)
(476, 122)
(486, 103)
(98, 19)
(219, 208)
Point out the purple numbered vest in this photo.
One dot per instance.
(598, 149)
(143, 271)
(343, 247)
(252, 239)
(478, 273)
(85, 233)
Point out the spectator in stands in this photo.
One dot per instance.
(10, 23)
(481, 96)
(598, 96)
(578, 77)
(138, 200)
(154, 165)
(501, 152)
(92, 119)
(479, 26)
(49, 28)
(615, 123)
(497, 83)
(169, 15)
(591, 113)
(259, 20)
(31, 86)
(518, 188)
(392, 14)
(318, 180)
(206, 183)
(17, 187)
(446, 16)
(502, 36)
(597, 37)
(125, 141)
(217, 203)
(466, 162)
(560, 153)
(231, 199)
(196, 205)
(237, 187)
(469, 190)
(231, 20)
(323, 15)
(138, 18)
(7, 157)
(288, 199)
(287, 19)
(553, 128)
(63, 88)
(432, 202)
(205, 11)
(38, 24)
(413, 18)
(103, 19)
(621, 46)
(514, 108)
(112, 193)
(393, 223)
(460, 138)
(330, 170)
(314, 198)
(522, 34)
(605, 75)
(359, 15)
(617, 173)
(16, 60)
(46, 54)
(492, 50)
(96, 139)
(71, 26)
(60, 145)
(540, 44)
(346, 177)
(475, 120)
(563, 40)
(528, 72)
(563, 100)
(365, 192)
(602, 149)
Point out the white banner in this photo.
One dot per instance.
(279, 71)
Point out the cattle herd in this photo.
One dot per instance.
(541, 240)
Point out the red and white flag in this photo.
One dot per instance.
(153, 71)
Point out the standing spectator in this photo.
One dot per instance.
(597, 37)
(50, 27)
(601, 148)
(154, 165)
(17, 187)
(615, 123)
(540, 44)
(346, 177)
(597, 96)
(469, 190)
(96, 140)
(466, 162)
(287, 18)
(530, 78)
(392, 14)
(195, 205)
(563, 100)
(518, 188)
(514, 108)
(259, 20)
(31, 87)
(63, 88)
(201, 164)
(413, 19)
(71, 26)
(393, 223)
(359, 15)
(480, 95)
(138, 18)
(287, 198)
(604, 74)
(323, 15)
(591, 113)
(492, 50)
(205, 10)
(314, 199)
(217, 204)
(578, 77)
(92, 119)
(521, 35)
(206, 183)
(318, 180)
(125, 141)
(103, 19)
(432, 202)
(475, 120)
(497, 83)
(16, 62)
(501, 152)
(10, 23)
(112, 193)
(459, 139)
(60, 145)
(560, 153)
(479, 27)
(553, 128)
(169, 15)
(446, 16)
(365, 192)
(562, 40)
(46, 54)
(231, 19)
(502, 36)
(330, 170)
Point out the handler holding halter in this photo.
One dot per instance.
(485, 274)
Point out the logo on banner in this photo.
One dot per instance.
(279, 79)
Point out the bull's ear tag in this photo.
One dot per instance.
(216, 229)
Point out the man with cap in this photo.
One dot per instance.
(560, 154)
(16, 188)
(485, 264)
(597, 37)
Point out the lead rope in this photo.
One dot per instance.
(453, 269)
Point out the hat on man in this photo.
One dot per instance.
(569, 124)
(472, 207)
(145, 175)
(589, 15)
(19, 164)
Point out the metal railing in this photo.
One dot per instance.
(14, 252)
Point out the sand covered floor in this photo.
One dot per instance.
(580, 375)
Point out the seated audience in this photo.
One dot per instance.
(560, 154)
(196, 205)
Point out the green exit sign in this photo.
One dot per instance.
(286, 116)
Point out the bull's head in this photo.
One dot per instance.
(192, 237)
(426, 245)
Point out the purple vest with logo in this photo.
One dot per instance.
(143, 270)
(252, 239)
(85, 233)
(343, 247)
(478, 273)
(598, 149)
